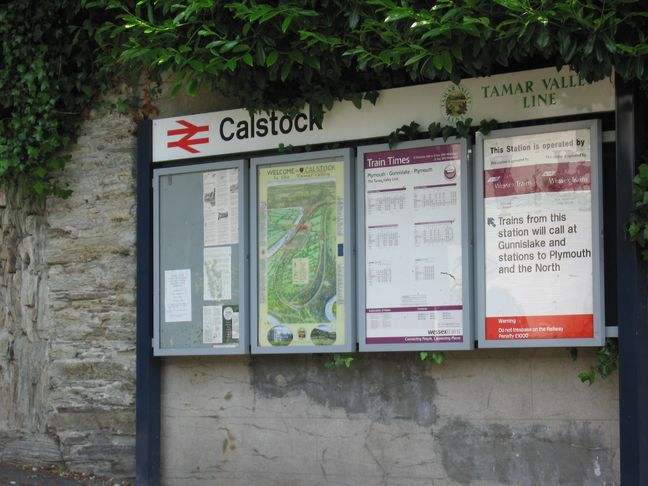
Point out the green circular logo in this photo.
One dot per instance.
(456, 103)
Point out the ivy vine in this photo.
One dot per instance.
(344, 360)
(282, 55)
(606, 357)
(462, 129)
(638, 224)
(47, 80)
(296, 52)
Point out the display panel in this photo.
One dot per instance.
(200, 251)
(540, 236)
(414, 255)
(303, 246)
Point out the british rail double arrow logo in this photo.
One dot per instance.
(187, 142)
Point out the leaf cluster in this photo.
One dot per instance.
(339, 360)
(437, 357)
(606, 357)
(283, 55)
(46, 81)
(637, 226)
(462, 129)
(278, 56)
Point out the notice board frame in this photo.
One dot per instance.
(598, 300)
(348, 252)
(242, 262)
(466, 245)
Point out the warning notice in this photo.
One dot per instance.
(538, 236)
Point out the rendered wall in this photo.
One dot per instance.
(513, 417)
(67, 373)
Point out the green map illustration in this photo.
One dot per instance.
(301, 252)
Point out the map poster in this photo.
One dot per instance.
(413, 245)
(301, 254)
(538, 236)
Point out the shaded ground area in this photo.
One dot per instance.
(24, 475)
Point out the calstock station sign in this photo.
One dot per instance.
(524, 95)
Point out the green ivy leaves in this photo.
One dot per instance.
(437, 357)
(281, 55)
(339, 360)
(638, 224)
(46, 81)
(296, 52)
(606, 358)
(461, 129)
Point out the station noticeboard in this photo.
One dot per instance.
(301, 266)
(200, 259)
(539, 236)
(414, 247)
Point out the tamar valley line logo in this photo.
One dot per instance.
(456, 103)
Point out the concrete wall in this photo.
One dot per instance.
(67, 372)
(511, 417)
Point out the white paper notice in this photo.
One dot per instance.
(538, 236)
(221, 207)
(213, 324)
(235, 326)
(217, 272)
(177, 295)
(413, 246)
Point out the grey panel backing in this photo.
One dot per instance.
(179, 244)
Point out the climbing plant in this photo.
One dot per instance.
(638, 224)
(606, 361)
(47, 80)
(287, 54)
(279, 55)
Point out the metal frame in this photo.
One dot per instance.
(243, 258)
(466, 253)
(349, 251)
(148, 368)
(597, 237)
(631, 124)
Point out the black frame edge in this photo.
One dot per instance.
(148, 368)
(632, 295)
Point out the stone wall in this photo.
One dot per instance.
(24, 332)
(90, 255)
(67, 373)
(67, 312)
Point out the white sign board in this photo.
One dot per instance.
(412, 248)
(524, 95)
(541, 235)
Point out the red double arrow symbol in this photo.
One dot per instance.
(188, 131)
